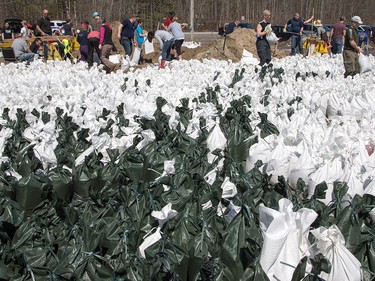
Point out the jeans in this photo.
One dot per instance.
(26, 56)
(296, 45)
(166, 50)
(337, 45)
(127, 43)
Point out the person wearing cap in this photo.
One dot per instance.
(98, 21)
(351, 48)
(21, 49)
(324, 45)
(337, 36)
(263, 47)
(125, 34)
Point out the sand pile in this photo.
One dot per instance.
(233, 45)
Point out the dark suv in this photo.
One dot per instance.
(15, 24)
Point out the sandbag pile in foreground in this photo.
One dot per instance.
(206, 171)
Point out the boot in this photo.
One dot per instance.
(162, 64)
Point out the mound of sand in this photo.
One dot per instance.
(233, 45)
(227, 48)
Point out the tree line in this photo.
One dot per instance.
(208, 14)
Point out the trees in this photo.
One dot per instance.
(208, 13)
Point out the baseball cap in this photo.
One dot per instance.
(357, 19)
(95, 14)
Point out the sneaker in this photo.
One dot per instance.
(36, 56)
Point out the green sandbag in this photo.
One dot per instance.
(266, 127)
(86, 178)
(62, 182)
(7, 185)
(29, 191)
(131, 163)
(154, 156)
(240, 231)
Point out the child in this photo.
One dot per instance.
(140, 35)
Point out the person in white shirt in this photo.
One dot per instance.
(24, 29)
(166, 41)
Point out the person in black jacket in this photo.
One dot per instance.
(263, 47)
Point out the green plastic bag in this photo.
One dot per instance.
(29, 191)
(62, 182)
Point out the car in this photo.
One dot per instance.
(246, 25)
(56, 25)
(15, 24)
(367, 29)
(309, 29)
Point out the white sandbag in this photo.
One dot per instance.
(148, 241)
(162, 216)
(311, 49)
(302, 168)
(331, 244)
(285, 238)
(271, 38)
(364, 63)
(259, 151)
(215, 140)
(229, 189)
(149, 47)
(115, 58)
(136, 55)
(279, 162)
(328, 173)
(248, 58)
(372, 215)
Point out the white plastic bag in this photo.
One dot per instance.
(331, 244)
(272, 38)
(114, 58)
(136, 55)
(364, 63)
(149, 47)
(285, 235)
(215, 140)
